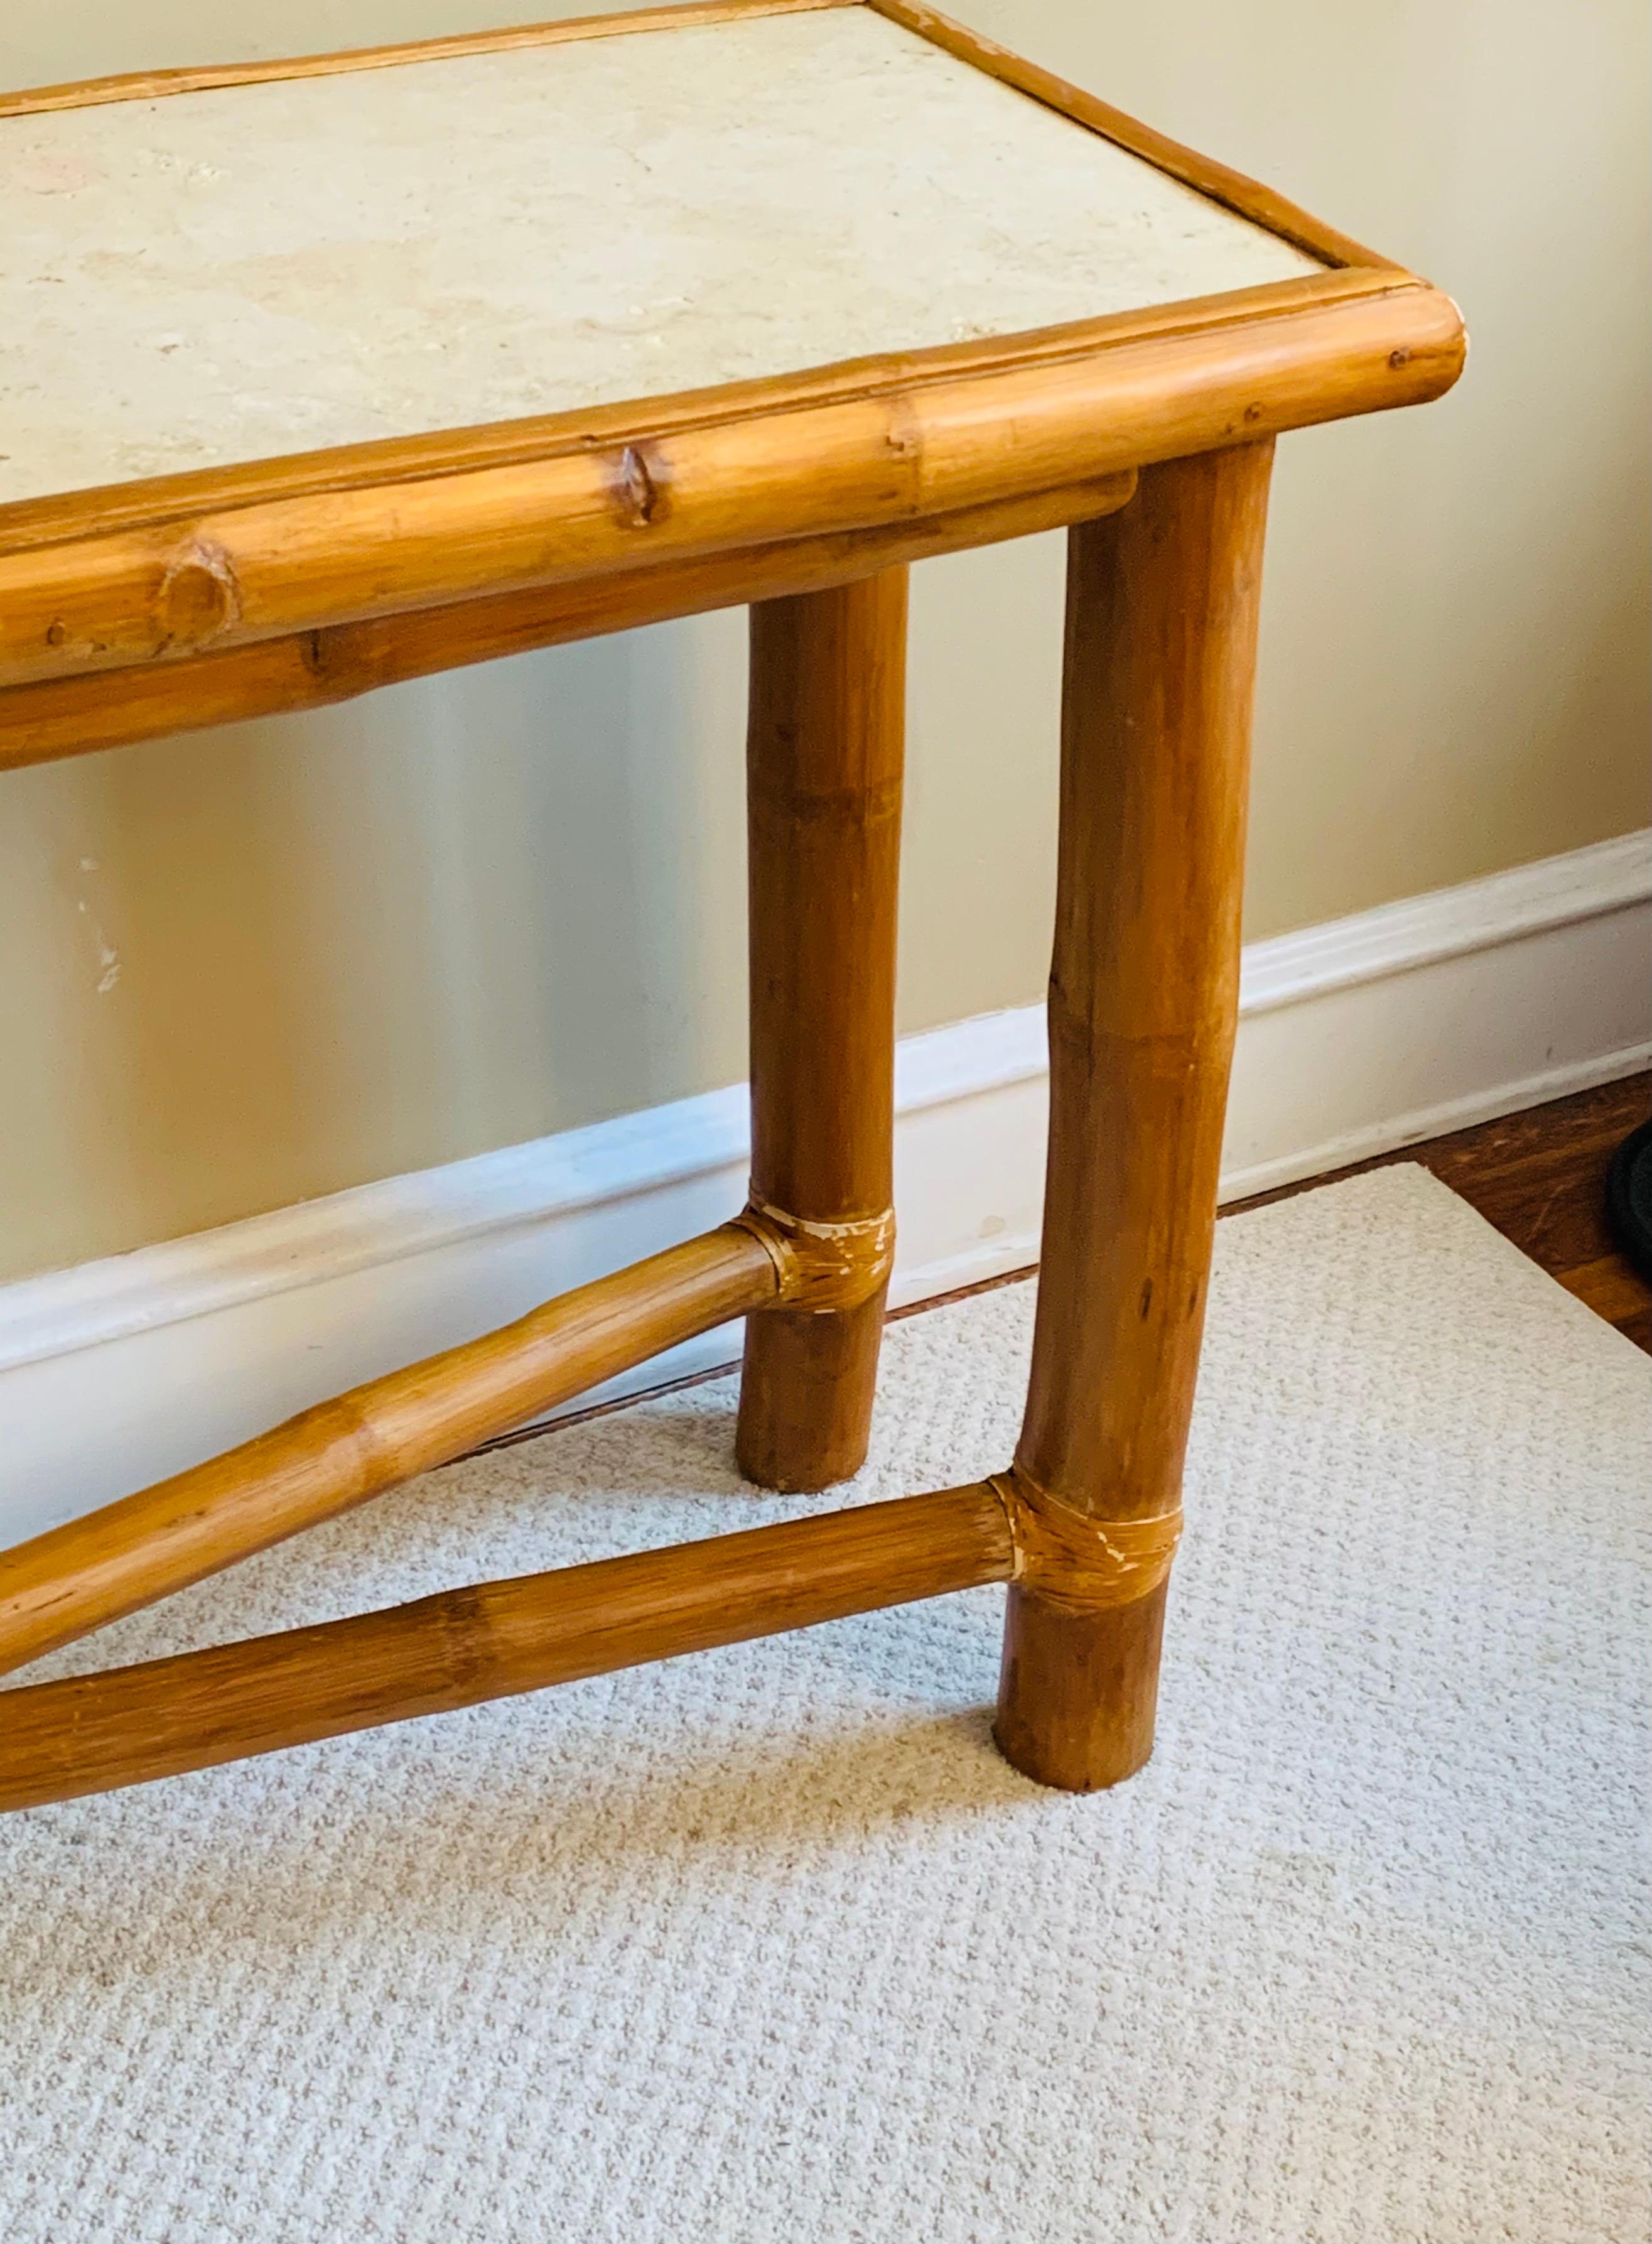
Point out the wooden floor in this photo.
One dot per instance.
(1540, 1176)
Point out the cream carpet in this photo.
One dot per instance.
(768, 1947)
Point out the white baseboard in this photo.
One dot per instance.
(1355, 1036)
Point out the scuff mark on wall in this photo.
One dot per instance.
(108, 958)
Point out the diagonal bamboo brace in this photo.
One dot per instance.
(130, 1725)
(75, 1578)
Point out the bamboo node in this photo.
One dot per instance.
(198, 597)
(823, 1266)
(1085, 1564)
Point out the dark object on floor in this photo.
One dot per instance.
(1629, 1197)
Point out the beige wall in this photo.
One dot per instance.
(250, 966)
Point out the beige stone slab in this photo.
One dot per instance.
(229, 275)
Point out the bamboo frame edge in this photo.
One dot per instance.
(106, 603)
(48, 720)
(388, 463)
(1251, 200)
(1350, 268)
(213, 78)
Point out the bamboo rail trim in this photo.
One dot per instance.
(1086, 1565)
(1217, 182)
(263, 572)
(29, 525)
(825, 1266)
(339, 1454)
(208, 77)
(131, 1725)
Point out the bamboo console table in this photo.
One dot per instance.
(322, 373)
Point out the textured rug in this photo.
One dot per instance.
(769, 1946)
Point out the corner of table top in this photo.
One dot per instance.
(182, 563)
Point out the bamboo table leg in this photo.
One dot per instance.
(1161, 638)
(823, 759)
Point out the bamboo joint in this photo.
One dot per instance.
(1083, 1563)
(824, 1265)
